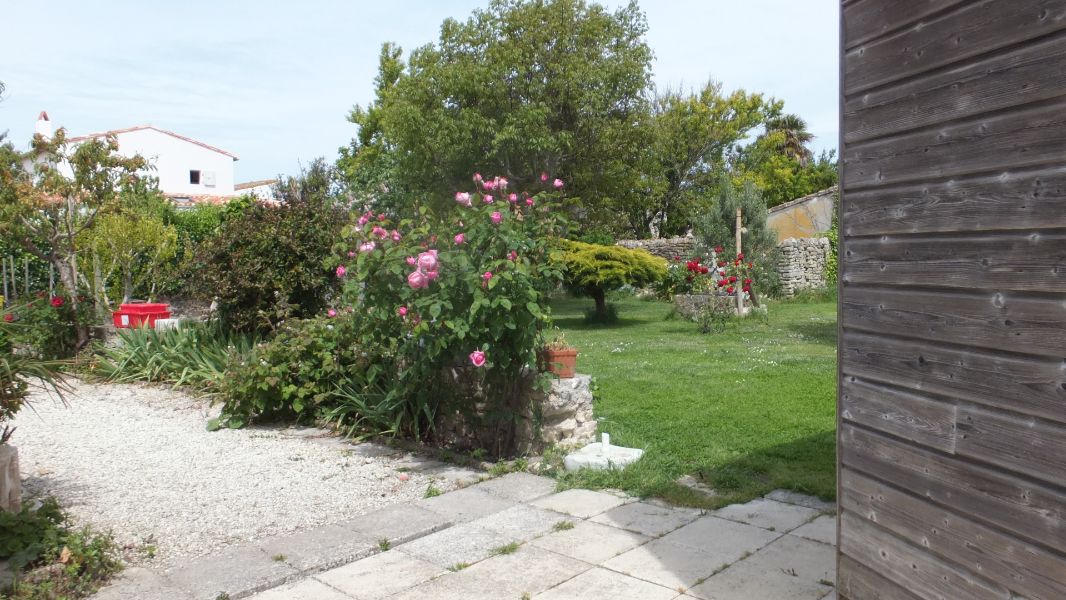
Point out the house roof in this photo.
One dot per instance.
(82, 138)
(201, 198)
(253, 184)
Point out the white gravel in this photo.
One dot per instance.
(137, 460)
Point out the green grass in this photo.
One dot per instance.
(748, 410)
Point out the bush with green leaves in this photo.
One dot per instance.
(593, 270)
(831, 261)
(19, 371)
(46, 326)
(269, 263)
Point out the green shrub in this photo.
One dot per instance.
(18, 370)
(269, 263)
(831, 261)
(593, 270)
(46, 326)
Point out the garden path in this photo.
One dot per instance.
(138, 460)
(515, 538)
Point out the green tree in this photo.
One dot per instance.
(794, 137)
(132, 249)
(52, 194)
(519, 88)
(593, 270)
(781, 164)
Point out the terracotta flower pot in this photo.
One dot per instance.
(560, 362)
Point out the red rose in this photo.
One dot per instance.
(749, 265)
(57, 301)
(704, 270)
(732, 279)
(747, 288)
(740, 256)
(719, 249)
(9, 318)
(730, 290)
(747, 282)
(721, 263)
(677, 259)
(723, 282)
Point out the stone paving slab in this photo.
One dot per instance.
(465, 505)
(522, 523)
(789, 497)
(580, 503)
(308, 589)
(726, 539)
(590, 542)
(529, 570)
(768, 514)
(670, 566)
(518, 487)
(602, 584)
(237, 572)
(380, 575)
(791, 568)
(320, 548)
(398, 523)
(823, 529)
(647, 519)
(464, 543)
(141, 584)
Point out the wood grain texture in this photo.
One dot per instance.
(917, 418)
(986, 143)
(856, 581)
(978, 27)
(1013, 78)
(1032, 199)
(1036, 573)
(1018, 444)
(864, 22)
(1022, 261)
(912, 567)
(1030, 385)
(983, 319)
(1029, 510)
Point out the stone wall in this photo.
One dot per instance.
(666, 248)
(802, 264)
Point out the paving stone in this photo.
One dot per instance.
(790, 497)
(580, 503)
(768, 514)
(521, 523)
(601, 584)
(465, 543)
(823, 529)
(451, 586)
(590, 542)
(529, 570)
(380, 575)
(460, 476)
(465, 505)
(790, 568)
(648, 519)
(142, 584)
(831, 596)
(671, 566)
(726, 540)
(399, 523)
(308, 589)
(238, 571)
(320, 548)
(518, 487)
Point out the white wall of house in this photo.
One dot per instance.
(174, 159)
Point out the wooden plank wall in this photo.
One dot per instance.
(952, 432)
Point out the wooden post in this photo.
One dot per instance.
(739, 289)
(7, 298)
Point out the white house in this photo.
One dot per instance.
(189, 171)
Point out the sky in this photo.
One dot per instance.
(273, 82)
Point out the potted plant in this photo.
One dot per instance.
(558, 357)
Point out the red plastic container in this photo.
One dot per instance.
(140, 314)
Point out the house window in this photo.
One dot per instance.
(194, 177)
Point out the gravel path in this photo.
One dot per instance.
(137, 460)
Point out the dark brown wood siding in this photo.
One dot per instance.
(952, 431)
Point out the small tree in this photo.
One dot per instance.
(593, 270)
(52, 194)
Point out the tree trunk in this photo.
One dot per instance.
(68, 277)
(601, 302)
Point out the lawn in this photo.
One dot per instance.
(747, 411)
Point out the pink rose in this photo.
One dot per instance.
(462, 198)
(513, 198)
(477, 358)
(363, 220)
(496, 218)
(331, 312)
(341, 271)
(489, 185)
(381, 217)
(512, 255)
(487, 275)
(529, 202)
(502, 183)
(402, 311)
(379, 232)
(558, 183)
(367, 247)
(351, 254)
(459, 238)
(432, 275)
(487, 198)
(477, 176)
(412, 261)
(417, 280)
(544, 176)
(427, 261)
(396, 236)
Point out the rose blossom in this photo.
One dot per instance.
(9, 318)
(477, 176)
(558, 183)
(543, 176)
(412, 261)
(381, 217)
(432, 275)
(402, 311)
(501, 182)
(477, 358)
(513, 197)
(351, 254)
(496, 218)
(363, 220)
(459, 238)
(417, 280)
(489, 185)
(367, 247)
(463, 198)
(487, 198)
(512, 255)
(529, 202)
(427, 261)
(379, 232)
(396, 236)
(487, 275)
(331, 312)
(341, 271)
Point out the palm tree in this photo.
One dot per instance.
(796, 136)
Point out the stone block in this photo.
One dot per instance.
(10, 482)
(590, 542)
(238, 572)
(518, 487)
(601, 584)
(790, 568)
(823, 529)
(580, 503)
(726, 540)
(768, 514)
(521, 523)
(398, 524)
(381, 575)
(600, 458)
(320, 548)
(465, 505)
(647, 519)
(464, 543)
(529, 570)
(669, 565)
